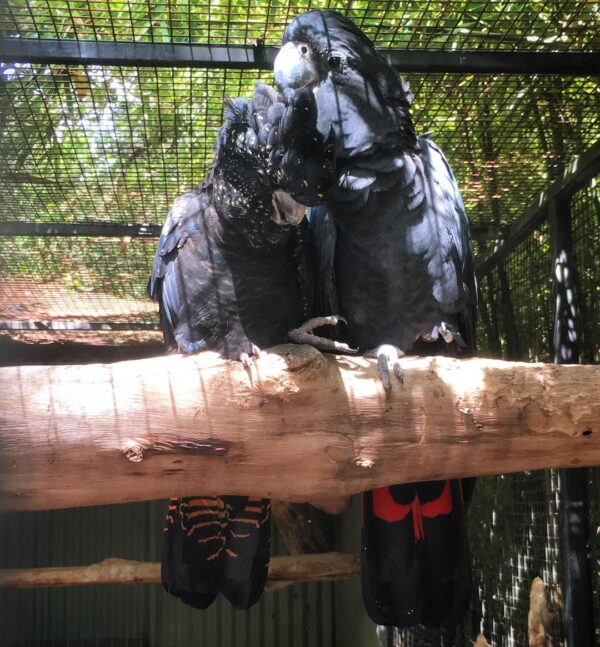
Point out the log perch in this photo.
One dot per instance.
(305, 427)
(283, 571)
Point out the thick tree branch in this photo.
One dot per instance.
(308, 426)
(283, 571)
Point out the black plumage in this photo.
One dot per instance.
(233, 273)
(394, 258)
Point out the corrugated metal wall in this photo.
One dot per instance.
(137, 615)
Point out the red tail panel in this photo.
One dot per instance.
(440, 506)
(385, 508)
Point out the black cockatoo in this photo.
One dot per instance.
(233, 273)
(395, 259)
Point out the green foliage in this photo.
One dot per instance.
(470, 24)
(119, 144)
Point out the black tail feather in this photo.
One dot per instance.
(416, 566)
(216, 544)
(246, 559)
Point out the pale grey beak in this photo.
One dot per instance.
(294, 67)
(286, 211)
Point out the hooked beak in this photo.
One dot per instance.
(286, 211)
(294, 67)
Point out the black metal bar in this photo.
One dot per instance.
(77, 326)
(576, 175)
(577, 591)
(496, 62)
(94, 229)
(119, 230)
(88, 52)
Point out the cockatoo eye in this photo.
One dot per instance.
(334, 62)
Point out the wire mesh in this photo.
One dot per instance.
(514, 519)
(560, 25)
(71, 284)
(515, 306)
(514, 532)
(117, 145)
(107, 144)
(110, 144)
(585, 214)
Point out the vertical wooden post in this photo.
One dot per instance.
(577, 610)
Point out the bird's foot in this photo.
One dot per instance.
(304, 335)
(442, 330)
(247, 359)
(387, 355)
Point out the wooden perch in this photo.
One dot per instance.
(307, 428)
(283, 571)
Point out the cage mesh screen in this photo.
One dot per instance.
(117, 145)
(557, 26)
(585, 214)
(513, 520)
(515, 307)
(513, 526)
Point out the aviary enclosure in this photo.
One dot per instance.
(109, 110)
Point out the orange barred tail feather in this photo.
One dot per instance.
(415, 557)
(216, 544)
(247, 552)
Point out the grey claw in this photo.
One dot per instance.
(246, 360)
(304, 335)
(446, 333)
(398, 372)
(256, 350)
(387, 355)
(384, 371)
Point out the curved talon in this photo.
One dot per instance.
(246, 360)
(304, 335)
(384, 371)
(398, 372)
(256, 350)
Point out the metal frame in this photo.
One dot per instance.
(92, 229)
(576, 175)
(577, 589)
(132, 230)
(142, 54)
(76, 326)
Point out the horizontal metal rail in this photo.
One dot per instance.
(125, 53)
(93, 229)
(123, 230)
(76, 326)
(577, 174)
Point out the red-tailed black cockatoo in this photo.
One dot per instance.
(394, 258)
(233, 273)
